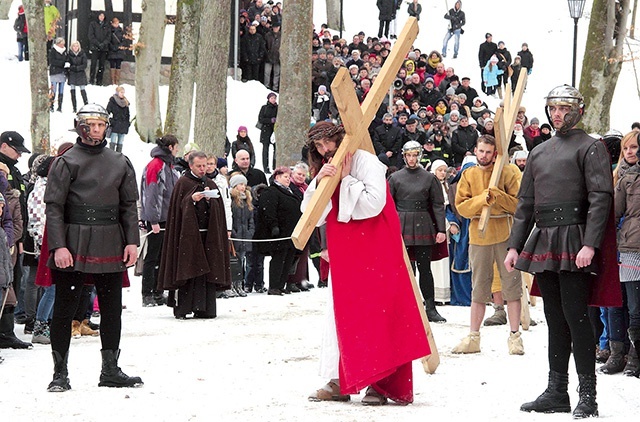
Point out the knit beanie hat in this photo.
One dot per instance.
(237, 179)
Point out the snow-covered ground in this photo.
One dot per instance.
(258, 359)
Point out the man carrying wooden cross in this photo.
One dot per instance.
(374, 328)
(473, 194)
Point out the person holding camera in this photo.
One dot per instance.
(457, 21)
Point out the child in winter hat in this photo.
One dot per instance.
(237, 179)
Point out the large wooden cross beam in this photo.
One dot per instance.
(503, 128)
(356, 120)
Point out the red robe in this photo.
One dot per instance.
(379, 340)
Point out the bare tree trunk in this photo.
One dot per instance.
(210, 125)
(333, 14)
(183, 70)
(39, 78)
(148, 51)
(633, 19)
(5, 5)
(602, 63)
(295, 81)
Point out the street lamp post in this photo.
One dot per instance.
(576, 7)
(341, 16)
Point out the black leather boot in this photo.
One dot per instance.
(73, 100)
(634, 337)
(60, 97)
(60, 381)
(432, 313)
(8, 339)
(587, 406)
(83, 92)
(112, 375)
(554, 399)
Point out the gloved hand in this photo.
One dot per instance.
(67, 65)
(275, 232)
(273, 120)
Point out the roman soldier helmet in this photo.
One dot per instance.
(87, 112)
(412, 146)
(568, 96)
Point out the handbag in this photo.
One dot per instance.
(259, 125)
(237, 270)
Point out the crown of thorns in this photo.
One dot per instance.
(324, 133)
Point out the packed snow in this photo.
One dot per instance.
(258, 359)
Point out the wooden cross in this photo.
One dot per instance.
(356, 120)
(503, 128)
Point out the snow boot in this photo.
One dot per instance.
(74, 102)
(60, 382)
(615, 363)
(29, 325)
(469, 344)
(112, 375)
(432, 313)
(147, 301)
(602, 354)
(85, 330)
(237, 286)
(555, 399)
(8, 339)
(118, 147)
(159, 298)
(41, 333)
(634, 337)
(587, 406)
(83, 92)
(515, 344)
(75, 329)
(499, 316)
(60, 97)
(632, 368)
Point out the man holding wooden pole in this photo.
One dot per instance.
(473, 194)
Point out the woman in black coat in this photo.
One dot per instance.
(77, 72)
(278, 214)
(57, 75)
(118, 44)
(118, 108)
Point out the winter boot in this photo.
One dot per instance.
(432, 313)
(634, 337)
(83, 92)
(602, 354)
(112, 145)
(469, 344)
(112, 375)
(85, 330)
(116, 80)
(554, 399)
(237, 286)
(41, 334)
(74, 103)
(75, 329)
(615, 363)
(60, 97)
(632, 368)
(60, 381)
(8, 339)
(587, 406)
(147, 301)
(118, 147)
(500, 91)
(515, 344)
(52, 100)
(499, 316)
(29, 325)
(159, 299)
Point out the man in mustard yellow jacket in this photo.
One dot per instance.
(472, 195)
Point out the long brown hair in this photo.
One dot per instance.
(322, 130)
(239, 201)
(633, 135)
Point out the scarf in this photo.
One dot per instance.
(122, 102)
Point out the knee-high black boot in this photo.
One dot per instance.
(112, 375)
(554, 399)
(587, 406)
(83, 92)
(60, 96)
(74, 104)
(60, 382)
(8, 339)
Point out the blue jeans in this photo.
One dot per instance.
(117, 138)
(45, 307)
(57, 86)
(22, 50)
(633, 302)
(447, 37)
(254, 277)
(618, 320)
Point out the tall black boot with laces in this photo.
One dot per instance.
(555, 399)
(587, 406)
(60, 382)
(112, 375)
